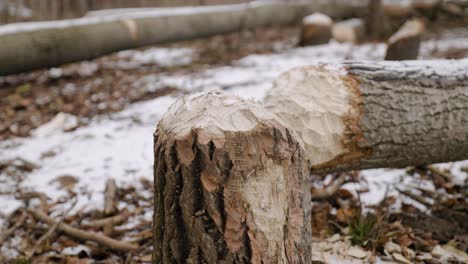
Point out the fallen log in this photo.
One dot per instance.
(231, 175)
(29, 46)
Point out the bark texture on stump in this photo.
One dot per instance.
(404, 44)
(231, 185)
(230, 174)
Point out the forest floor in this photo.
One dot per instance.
(77, 149)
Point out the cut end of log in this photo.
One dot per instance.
(322, 105)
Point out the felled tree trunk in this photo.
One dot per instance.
(231, 174)
(36, 45)
(404, 44)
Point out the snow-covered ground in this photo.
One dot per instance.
(120, 145)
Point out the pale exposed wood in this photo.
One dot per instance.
(316, 29)
(231, 174)
(351, 30)
(404, 44)
(376, 114)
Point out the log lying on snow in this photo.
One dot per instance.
(29, 46)
(231, 180)
(404, 44)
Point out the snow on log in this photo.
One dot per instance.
(316, 29)
(351, 30)
(28, 46)
(404, 44)
(231, 175)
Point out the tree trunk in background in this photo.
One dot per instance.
(48, 44)
(378, 24)
(231, 175)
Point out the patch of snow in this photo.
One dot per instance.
(164, 57)
(317, 18)
(73, 251)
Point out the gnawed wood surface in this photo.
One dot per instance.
(231, 174)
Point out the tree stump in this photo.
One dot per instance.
(404, 44)
(316, 30)
(230, 175)
(351, 30)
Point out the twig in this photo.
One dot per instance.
(49, 232)
(109, 204)
(84, 235)
(329, 191)
(30, 195)
(7, 233)
(415, 197)
(447, 176)
(109, 197)
(113, 220)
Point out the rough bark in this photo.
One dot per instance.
(404, 44)
(31, 46)
(316, 29)
(231, 186)
(231, 174)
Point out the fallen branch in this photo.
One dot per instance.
(31, 195)
(49, 232)
(447, 176)
(415, 197)
(84, 235)
(329, 191)
(7, 233)
(113, 220)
